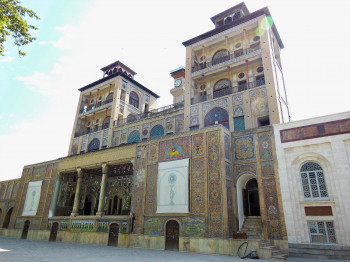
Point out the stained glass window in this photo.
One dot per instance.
(94, 145)
(218, 115)
(134, 136)
(157, 131)
(313, 181)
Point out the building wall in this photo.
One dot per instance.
(326, 141)
(8, 194)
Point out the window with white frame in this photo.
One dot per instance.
(313, 182)
(322, 231)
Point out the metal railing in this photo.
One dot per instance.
(95, 106)
(232, 56)
(155, 112)
(228, 91)
(92, 130)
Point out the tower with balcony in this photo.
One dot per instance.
(116, 97)
(233, 73)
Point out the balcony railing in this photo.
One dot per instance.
(95, 106)
(92, 130)
(228, 90)
(220, 60)
(159, 111)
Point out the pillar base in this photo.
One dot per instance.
(100, 214)
(74, 214)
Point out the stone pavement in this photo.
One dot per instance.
(13, 250)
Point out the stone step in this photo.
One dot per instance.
(280, 257)
(319, 251)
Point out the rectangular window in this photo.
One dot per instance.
(239, 123)
(194, 128)
(322, 232)
(124, 84)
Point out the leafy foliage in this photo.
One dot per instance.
(13, 22)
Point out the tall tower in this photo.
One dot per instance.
(114, 97)
(233, 73)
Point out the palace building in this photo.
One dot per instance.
(200, 175)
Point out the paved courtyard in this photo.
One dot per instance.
(14, 250)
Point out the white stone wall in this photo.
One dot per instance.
(333, 154)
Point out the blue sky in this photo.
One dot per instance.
(38, 93)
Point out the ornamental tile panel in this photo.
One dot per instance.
(153, 153)
(265, 145)
(237, 100)
(214, 185)
(194, 121)
(194, 110)
(216, 103)
(267, 169)
(238, 111)
(198, 196)
(244, 148)
(174, 149)
(245, 168)
(151, 190)
(197, 145)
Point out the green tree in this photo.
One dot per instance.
(13, 22)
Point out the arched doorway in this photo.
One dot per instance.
(172, 235)
(7, 218)
(251, 198)
(53, 233)
(25, 229)
(113, 234)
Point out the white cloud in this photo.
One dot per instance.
(7, 59)
(38, 82)
(70, 35)
(43, 43)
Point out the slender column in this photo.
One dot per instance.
(101, 201)
(55, 194)
(75, 211)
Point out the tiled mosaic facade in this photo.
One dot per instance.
(197, 145)
(244, 148)
(174, 149)
(214, 186)
(198, 196)
(151, 190)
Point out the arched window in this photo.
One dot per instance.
(106, 122)
(94, 145)
(131, 118)
(109, 98)
(14, 191)
(134, 99)
(313, 181)
(134, 136)
(218, 115)
(220, 56)
(157, 131)
(221, 88)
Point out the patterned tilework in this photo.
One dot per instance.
(237, 100)
(191, 226)
(174, 149)
(229, 173)
(272, 210)
(197, 145)
(151, 190)
(227, 147)
(179, 123)
(267, 168)
(214, 185)
(265, 146)
(244, 148)
(241, 169)
(82, 225)
(123, 137)
(194, 121)
(229, 207)
(238, 111)
(138, 187)
(198, 196)
(260, 92)
(153, 153)
(194, 110)
(217, 103)
(115, 139)
(169, 124)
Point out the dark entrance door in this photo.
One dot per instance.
(25, 229)
(53, 233)
(113, 235)
(252, 198)
(172, 236)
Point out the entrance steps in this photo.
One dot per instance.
(319, 251)
(276, 253)
(252, 227)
